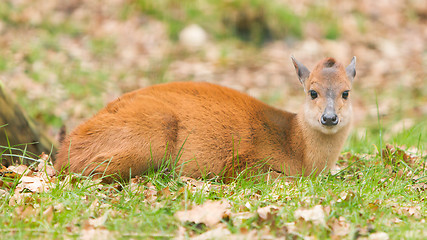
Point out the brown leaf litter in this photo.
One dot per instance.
(209, 213)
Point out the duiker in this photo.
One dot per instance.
(215, 130)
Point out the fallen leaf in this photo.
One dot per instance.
(379, 236)
(47, 168)
(396, 220)
(209, 213)
(3, 193)
(239, 218)
(395, 154)
(43, 157)
(373, 206)
(414, 211)
(18, 197)
(266, 212)
(33, 184)
(59, 207)
(181, 233)
(315, 215)
(48, 214)
(8, 176)
(135, 185)
(346, 196)
(217, 233)
(419, 187)
(165, 192)
(20, 169)
(196, 185)
(98, 222)
(94, 206)
(150, 193)
(327, 209)
(25, 211)
(96, 234)
(348, 156)
(335, 169)
(291, 227)
(340, 227)
(410, 211)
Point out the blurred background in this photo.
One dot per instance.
(64, 60)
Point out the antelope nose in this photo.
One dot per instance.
(329, 119)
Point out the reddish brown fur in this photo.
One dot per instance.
(219, 129)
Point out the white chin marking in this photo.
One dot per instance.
(313, 120)
(329, 129)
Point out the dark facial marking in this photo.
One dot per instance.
(330, 62)
(329, 117)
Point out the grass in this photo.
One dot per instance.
(372, 194)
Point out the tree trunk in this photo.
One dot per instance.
(21, 139)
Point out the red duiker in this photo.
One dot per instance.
(213, 130)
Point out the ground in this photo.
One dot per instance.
(63, 61)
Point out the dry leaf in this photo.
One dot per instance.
(150, 193)
(239, 218)
(9, 183)
(165, 192)
(19, 197)
(346, 196)
(48, 214)
(94, 205)
(349, 156)
(410, 211)
(3, 193)
(98, 222)
(396, 220)
(135, 185)
(335, 169)
(314, 215)
(196, 185)
(327, 209)
(25, 211)
(291, 227)
(419, 187)
(373, 206)
(340, 227)
(47, 168)
(181, 233)
(59, 207)
(96, 234)
(379, 236)
(34, 184)
(395, 154)
(217, 233)
(20, 169)
(266, 212)
(209, 213)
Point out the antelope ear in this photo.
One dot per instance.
(302, 72)
(351, 69)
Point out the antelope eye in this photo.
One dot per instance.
(345, 94)
(313, 94)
